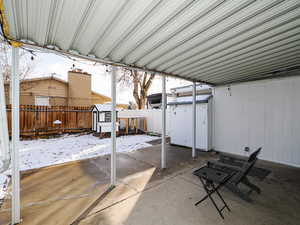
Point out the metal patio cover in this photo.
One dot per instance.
(212, 41)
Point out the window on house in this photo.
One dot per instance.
(101, 117)
(42, 100)
(104, 117)
(108, 117)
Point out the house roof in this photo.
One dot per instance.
(156, 96)
(189, 100)
(188, 90)
(80, 71)
(104, 107)
(108, 99)
(101, 95)
(50, 77)
(211, 41)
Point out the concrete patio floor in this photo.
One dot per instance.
(78, 193)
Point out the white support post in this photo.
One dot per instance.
(194, 121)
(4, 143)
(113, 126)
(15, 95)
(163, 135)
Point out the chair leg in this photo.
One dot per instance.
(234, 189)
(252, 186)
(197, 203)
(219, 211)
(222, 199)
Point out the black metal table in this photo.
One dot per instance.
(212, 180)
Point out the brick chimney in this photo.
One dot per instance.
(79, 91)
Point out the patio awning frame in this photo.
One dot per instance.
(180, 38)
(199, 41)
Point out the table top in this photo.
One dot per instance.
(212, 174)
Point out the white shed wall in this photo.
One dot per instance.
(180, 125)
(153, 117)
(262, 113)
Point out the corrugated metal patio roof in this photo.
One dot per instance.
(211, 41)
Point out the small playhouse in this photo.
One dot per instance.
(101, 119)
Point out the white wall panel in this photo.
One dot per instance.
(180, 125)
(153, 116)
(263, 113)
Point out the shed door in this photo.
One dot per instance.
(94, 121)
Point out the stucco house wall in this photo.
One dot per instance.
(79, 91)
(74, 92)
(54, 88)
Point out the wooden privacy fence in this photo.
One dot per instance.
(39, 120)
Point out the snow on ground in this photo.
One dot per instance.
(45, 152)
(4, 180)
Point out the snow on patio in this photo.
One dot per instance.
(45, 152)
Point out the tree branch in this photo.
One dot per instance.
(149, 82)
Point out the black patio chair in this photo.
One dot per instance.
(237, 160)
(242, 167)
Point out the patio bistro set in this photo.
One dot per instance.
(228, 171)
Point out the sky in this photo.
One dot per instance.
(46, 64)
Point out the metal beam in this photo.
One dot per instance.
(113, 126)
(194, 121)
(163, 135)
(15, 95)
(57, 50)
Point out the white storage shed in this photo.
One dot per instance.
(180, 123)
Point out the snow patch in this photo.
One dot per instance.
(4, 180)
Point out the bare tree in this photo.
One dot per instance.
(140, 82)
(25, 68)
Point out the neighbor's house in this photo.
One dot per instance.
(53, 91)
